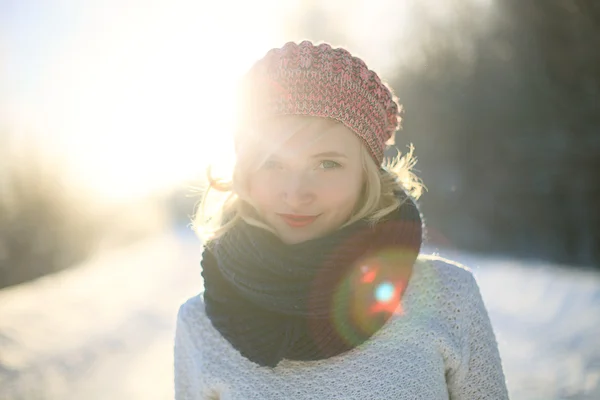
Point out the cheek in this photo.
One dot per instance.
(260, 190)
(341, 192)
(335, 191)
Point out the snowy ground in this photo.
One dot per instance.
(105, 330)
(547, 322)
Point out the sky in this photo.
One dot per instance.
(131, 95)
(134, 95)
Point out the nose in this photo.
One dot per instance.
(298, 191)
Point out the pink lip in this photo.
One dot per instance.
(298, 221)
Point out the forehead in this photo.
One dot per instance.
(302, 134)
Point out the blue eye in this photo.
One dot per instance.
(328, 164)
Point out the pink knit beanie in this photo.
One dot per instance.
(320, 81)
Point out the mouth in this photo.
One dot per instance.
(298, 221)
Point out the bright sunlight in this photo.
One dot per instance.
(137, 95)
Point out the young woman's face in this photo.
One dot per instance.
(309, 185)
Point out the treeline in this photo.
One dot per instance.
(509, 142)
(47, 224)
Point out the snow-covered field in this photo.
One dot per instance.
(105, 330)
(547, 322)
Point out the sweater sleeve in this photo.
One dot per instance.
(479, 375)
(185, 373)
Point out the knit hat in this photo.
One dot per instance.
(320, 81)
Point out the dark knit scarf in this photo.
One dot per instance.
(311, 300)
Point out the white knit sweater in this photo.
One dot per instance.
(441, 347)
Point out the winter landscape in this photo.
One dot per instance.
(105, 330)
(108, 108)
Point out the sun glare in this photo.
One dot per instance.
(138, 95)
(141, 99)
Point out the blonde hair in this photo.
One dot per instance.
(224, 201)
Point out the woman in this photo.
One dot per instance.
(314, 286)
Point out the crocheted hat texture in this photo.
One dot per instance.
(320, 81)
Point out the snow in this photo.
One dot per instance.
(101, 331)
(547, 322)
(105, 330)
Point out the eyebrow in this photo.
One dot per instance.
(330, 154)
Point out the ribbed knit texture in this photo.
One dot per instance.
(441, 347)
(309, 300)
(319, 81)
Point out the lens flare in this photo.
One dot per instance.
(368, 275)
(371, 293)
(385, 292)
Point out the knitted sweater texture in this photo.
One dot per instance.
(441, 346)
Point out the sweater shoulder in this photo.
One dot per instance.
(192, 307)
(450, 288)
(195, 329)
(451, 276)
(191, 317)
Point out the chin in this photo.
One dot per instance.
(295, 239)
